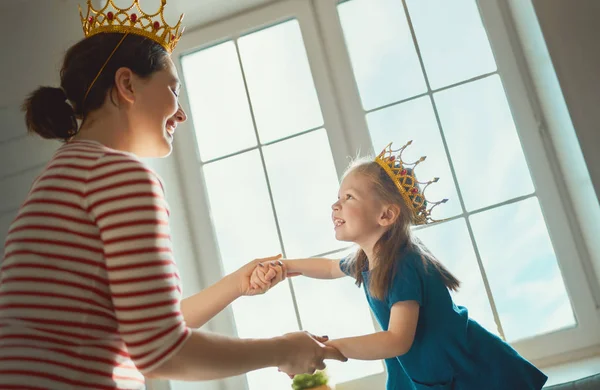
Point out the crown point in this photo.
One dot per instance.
(110, 15)
(156, 25)
(423, 158)
(409, 142)
(444, 200)
(436, 179)
(133, 18)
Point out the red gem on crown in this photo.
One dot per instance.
(156, 25)
(133, 17)
(403, 172)
(110, 16)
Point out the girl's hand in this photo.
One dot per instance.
(275, 272)
(264, 273)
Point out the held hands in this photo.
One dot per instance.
(304, 353)
(301, 352)
(274, 272)
(268, 272)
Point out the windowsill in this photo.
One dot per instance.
(572, 371)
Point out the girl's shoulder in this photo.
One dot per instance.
(410, 259)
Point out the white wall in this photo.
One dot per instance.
(572, 33)
(559, 40)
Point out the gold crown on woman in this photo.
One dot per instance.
(403, 176)
(131, 20)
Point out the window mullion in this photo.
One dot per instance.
(269, 190)
(482, 270)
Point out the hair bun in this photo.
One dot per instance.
(48, 114)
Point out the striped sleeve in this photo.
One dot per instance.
(127, 203)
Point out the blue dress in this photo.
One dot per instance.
(450, 351)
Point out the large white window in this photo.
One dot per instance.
(280, 97)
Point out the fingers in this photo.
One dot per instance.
(264, 273)
(321, 339)
(333, 353)
(271, 274)
(271, 258)
(257, 280)
(278, 272)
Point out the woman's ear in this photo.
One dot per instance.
(389, 215)
(124, 84)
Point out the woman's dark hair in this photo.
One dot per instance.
(53, 112)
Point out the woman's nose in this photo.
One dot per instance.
(335, 206)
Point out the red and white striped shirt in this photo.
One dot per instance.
(89, 292)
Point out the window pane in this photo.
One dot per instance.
(245, 228)
(218, 102)
(522, 270)
(305, 185)
(241, 212)
(452, 40)
(382, 51)
(415, 120)
(451, 244)
(483, 143)
(337, 308)
(280, 84)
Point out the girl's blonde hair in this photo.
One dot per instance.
(396, 241)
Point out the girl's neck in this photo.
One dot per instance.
(371, 257)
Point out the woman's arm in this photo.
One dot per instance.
(209, 356)
(396, 341)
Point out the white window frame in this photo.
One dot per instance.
(348, 133)
(187, 153)
(539, 156)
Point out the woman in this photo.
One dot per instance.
(90, 295)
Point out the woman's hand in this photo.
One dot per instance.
(274, 273)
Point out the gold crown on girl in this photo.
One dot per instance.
(132, 20)
(403, 175)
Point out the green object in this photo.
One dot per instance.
(309, 381)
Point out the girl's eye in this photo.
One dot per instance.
(175, 93)
(348, 196)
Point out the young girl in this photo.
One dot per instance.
(425, 335)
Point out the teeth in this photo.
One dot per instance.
(338, 222)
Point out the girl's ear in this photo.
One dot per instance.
(389, 215)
